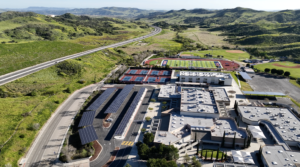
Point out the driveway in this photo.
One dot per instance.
(269, 83)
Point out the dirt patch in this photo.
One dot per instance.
(112, 157)
(182, 55)
(106, 124)
(279, 65)
(97, 148)
(234, 51)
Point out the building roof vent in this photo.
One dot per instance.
(280, 151)
(286, 159)
(268, 152)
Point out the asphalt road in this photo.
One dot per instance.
(106, 134)
(29, 70)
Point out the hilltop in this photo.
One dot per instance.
(102, 12)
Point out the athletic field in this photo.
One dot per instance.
(191, 63)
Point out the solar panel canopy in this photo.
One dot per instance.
(127, 116)
(87, 135)
(245, 76)
(115, 105)
(264, 93)
(87, 118)
(101, 99)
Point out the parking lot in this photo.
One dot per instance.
(269, 83)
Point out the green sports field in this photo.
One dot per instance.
(187, 63)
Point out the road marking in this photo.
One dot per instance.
(127, 143)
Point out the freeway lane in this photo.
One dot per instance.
(29, 70)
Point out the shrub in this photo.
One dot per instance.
(33, 93)
(267, 70)
(69, 67)
(143, 130)
(82, 81)
(153, 100)
(69, 90)
(148, 119)
(22, 136)
(56, 101)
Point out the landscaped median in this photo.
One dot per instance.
(32, 99)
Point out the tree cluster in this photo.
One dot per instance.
(69, 67)
(147, 150)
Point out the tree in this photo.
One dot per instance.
(235, 105)
(205, 154)
(223, 139)
(287, 74)
(280, 72)
(267, 70)
(143, 150)
(273, 71)
(195, 163)
(233, 144)
(217, 154)
(249, 141)
(153, 100)
(148, 119)
(247, 65)
(202, 151)
(127, 165)
(222, 156)
(143, 130)
(198, 148)
(186, 158)
(150, 108)
(148, 138)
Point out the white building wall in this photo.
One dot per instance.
(197, 114)
(201, 79)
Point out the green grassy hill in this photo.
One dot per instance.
(28, 38)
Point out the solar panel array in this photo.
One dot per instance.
(245, 76)
(101, 99)
(166, 73)
(127, 78)
(154, 72)
(132, 71)
(87, 135)
(115, 105)
(139, 79)
(144, 72)
(151, 79)
(129, 112)
(87, 118)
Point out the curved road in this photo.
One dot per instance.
(29, 70)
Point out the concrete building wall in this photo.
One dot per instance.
(202, 79)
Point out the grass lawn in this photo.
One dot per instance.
(50, 92)
(295, 72)
(207, 153)
(244, 85)
(215, 53)
(294, 82)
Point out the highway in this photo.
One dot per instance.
(6, 78)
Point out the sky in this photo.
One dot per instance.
(157, 4)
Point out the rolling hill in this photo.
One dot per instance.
(103, 12)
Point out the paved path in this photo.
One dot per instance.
(29, 70)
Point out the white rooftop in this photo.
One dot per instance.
(179, 121)
(198, 100)
(276, 156)
(204, 74)
(229, 127)
(285, 122)
(167, 91)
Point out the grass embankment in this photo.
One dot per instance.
(48, 90)
(244, 85)
(294, 82)
(226, 55)
(295, 72)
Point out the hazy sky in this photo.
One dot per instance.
(157, 4)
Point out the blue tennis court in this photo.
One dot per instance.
(151, 79)
(166, 73)
(132, 71)
(154, 72)
(127, 78)
(144, 72)
(163, 80)
(139, 79)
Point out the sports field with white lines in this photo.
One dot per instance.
(191, 63)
